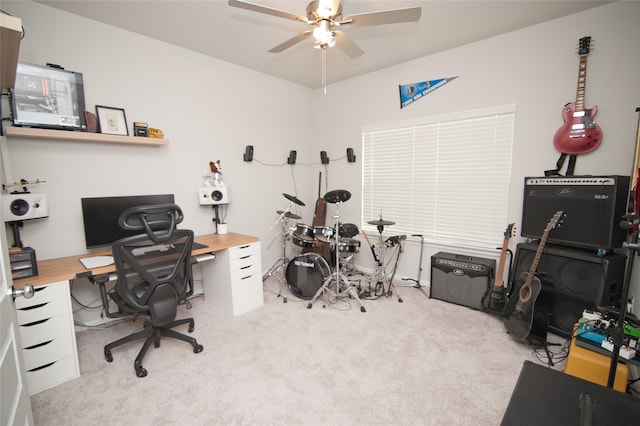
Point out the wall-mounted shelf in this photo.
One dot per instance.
(65, 135)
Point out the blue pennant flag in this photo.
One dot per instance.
(412, 92)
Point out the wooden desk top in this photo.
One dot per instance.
(67, 268)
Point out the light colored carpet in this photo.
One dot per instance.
(420, 362)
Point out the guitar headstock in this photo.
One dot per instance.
(556, 220)
(584, 46)
(510, 231)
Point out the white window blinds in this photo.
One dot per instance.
(444, 177)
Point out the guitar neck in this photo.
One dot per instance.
(503, 257)
(536, 259)
(582, 78)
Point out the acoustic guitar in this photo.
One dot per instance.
(579, 134)
(493, 300)
(521, 305)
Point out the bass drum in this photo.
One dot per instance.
(306, 274)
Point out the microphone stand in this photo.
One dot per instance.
(628, 221)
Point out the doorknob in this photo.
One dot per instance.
(27, 291)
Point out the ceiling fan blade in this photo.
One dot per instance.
(293, 40)
(347, 45)
(396, 16)
(267, 10)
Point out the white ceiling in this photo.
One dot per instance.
(243, 37)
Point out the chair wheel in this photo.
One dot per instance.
(141, 371)
(197, 349)
(191, 328)
(108, 356)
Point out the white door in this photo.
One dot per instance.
(15, 408)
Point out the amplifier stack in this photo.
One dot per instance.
(572, 280)
(577, 268)
(593, 206)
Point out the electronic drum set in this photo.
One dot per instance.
(309, 275)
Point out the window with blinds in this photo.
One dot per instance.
(444, 177)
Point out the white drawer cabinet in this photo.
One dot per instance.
(48, 337)
(233, 281)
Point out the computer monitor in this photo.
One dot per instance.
(100, 216)
(48, 97)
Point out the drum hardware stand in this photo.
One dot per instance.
(379, 274)
(395, 240)
(283, 261)
(417, 280)
(336, 197)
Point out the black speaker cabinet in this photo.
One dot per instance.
(460, 279)
(594, 206)
(572, 280)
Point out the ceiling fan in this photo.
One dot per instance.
(325, 16)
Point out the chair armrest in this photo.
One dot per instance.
(101, 280)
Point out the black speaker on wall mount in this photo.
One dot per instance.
(573, 280)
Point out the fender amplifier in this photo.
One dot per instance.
(459, 279)
(594, 206)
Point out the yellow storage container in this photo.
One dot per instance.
(594, 367)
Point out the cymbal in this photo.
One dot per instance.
(381, 222)
(289, 214)
(293, 199)
(337, 196)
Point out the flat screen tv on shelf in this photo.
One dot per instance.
(48, 97)
(100, 216)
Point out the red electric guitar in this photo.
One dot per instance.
(579, 134)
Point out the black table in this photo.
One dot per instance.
(543, 396)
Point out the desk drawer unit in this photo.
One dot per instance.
(233, 282)
(48, 337)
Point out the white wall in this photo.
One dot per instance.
(536, 68)
(211, 110)
(207, 108)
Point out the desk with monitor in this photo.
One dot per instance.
(232, 284)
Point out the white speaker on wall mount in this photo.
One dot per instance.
(212, 195)
(24, 206)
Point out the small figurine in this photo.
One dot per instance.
(216, 168)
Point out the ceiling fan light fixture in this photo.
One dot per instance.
(323, 34)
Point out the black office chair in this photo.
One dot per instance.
(153, 277)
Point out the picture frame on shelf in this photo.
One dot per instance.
(112, 120)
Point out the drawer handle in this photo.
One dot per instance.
(38, 345)
(246, 267)
(28, 308)
(244, 247)
(245, 257)
(41, 367)
(247, 277)
(31, 324)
